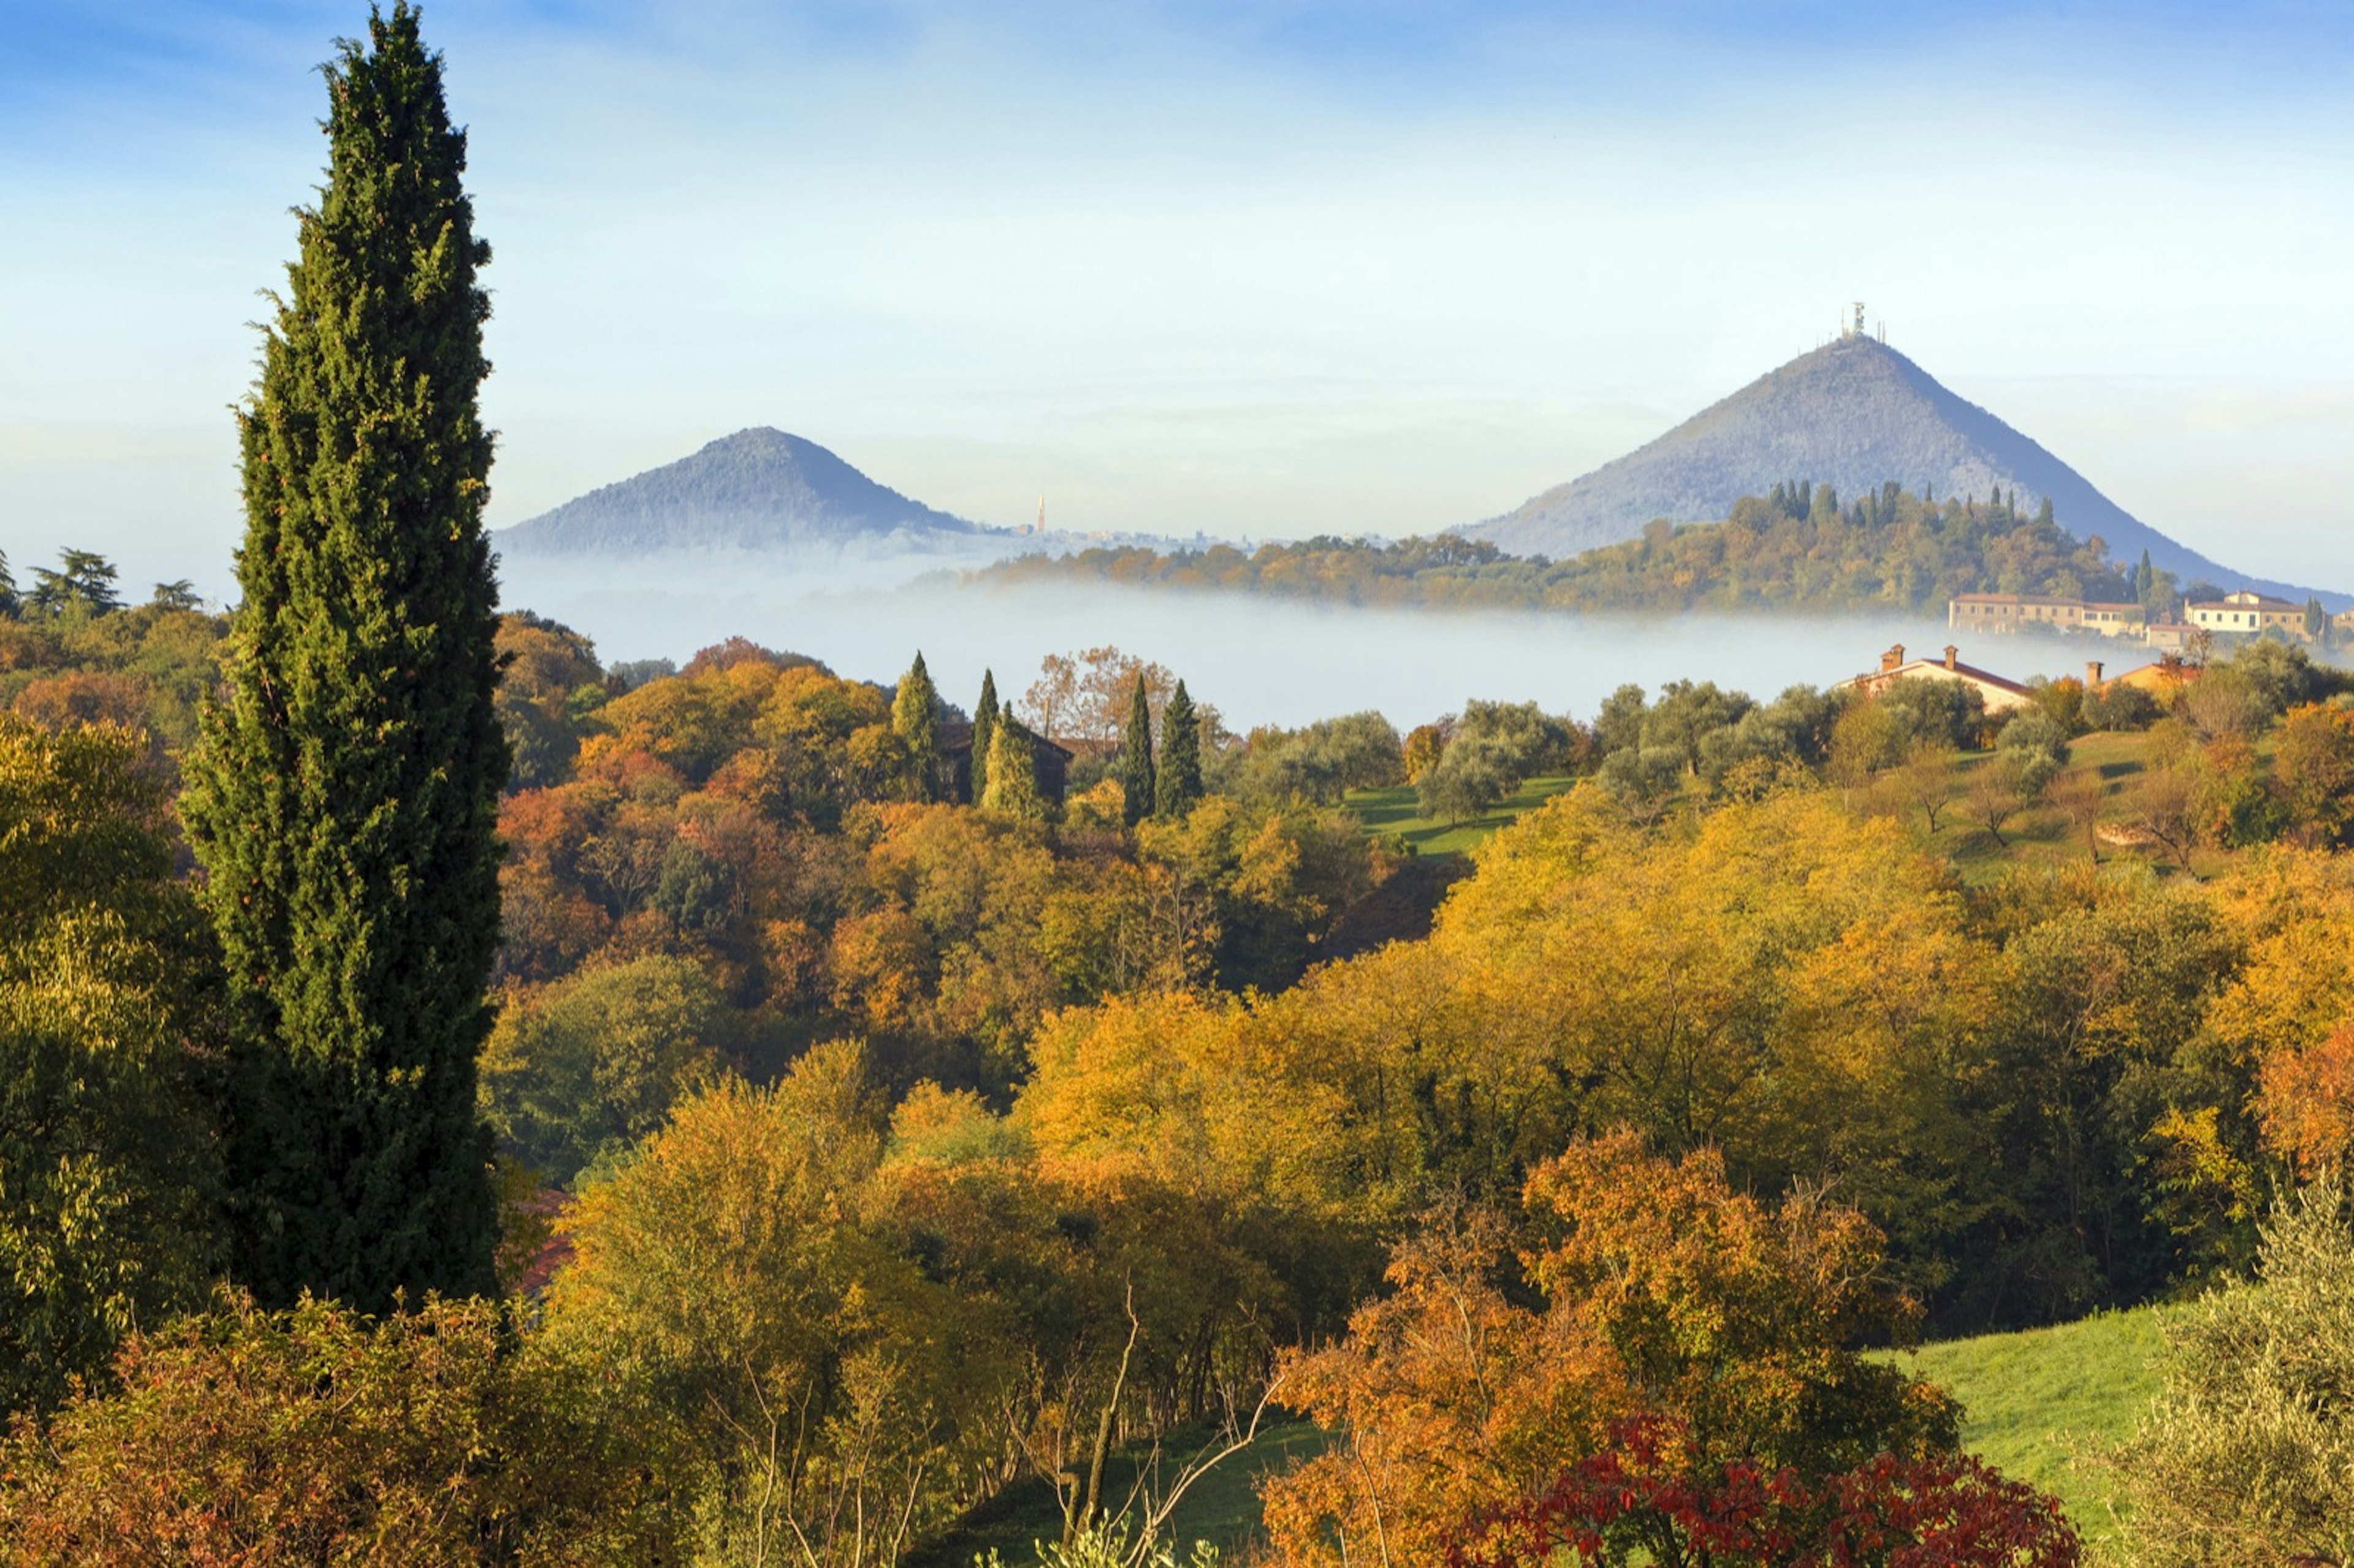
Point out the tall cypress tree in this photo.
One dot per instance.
(915, 719)
(985, 714)
(1136, 755)
(343, 799)
(1179, 785)
(1013, 773)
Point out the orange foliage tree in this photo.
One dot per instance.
(1727, 1329)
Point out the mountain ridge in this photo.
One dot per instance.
(1853, 414)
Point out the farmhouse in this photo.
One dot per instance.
(2247, 613)
(2161, 679)
(2006, 612)
(2000, 695)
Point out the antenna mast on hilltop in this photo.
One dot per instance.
(1857, 330)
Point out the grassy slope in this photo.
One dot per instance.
(2040, 838)
(1392, 810)
(2030, 1400)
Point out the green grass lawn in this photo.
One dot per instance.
(1392, 810)
(1222, 1508)
(2030, 1400)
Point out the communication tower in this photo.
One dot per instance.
(1857, 331)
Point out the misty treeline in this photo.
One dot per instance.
(1798, 549)
(866, 1150)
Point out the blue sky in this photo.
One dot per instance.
(1249, 268)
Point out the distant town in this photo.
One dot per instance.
(2244, 613)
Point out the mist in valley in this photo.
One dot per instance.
(1258, 659)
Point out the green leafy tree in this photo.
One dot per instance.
(1495, 748)
(2033, 747)
(986, 713)
(10, 606)
(344, 798)
(839, 1393)
(1135, 772)
(1321, 762)
(178, 594)
(1179, 781)
(107, 1176)
(916, 717)
(586, 1067)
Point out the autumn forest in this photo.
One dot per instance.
(465, 1102)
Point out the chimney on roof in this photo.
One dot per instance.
(1892, 659)
(1951, 653)
(2092, 672)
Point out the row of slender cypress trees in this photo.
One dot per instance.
(1164, 780)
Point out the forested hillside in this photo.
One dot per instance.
(1854, 414)
(1799, 548)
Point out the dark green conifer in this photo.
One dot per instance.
(915, 718)
(343, 799)
(83, 580)
(1135, 772)
(985, 714)
(9, 606)
(1179, 784)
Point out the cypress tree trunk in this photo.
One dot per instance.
(1136, 756)
(343, 799)
(1179, 785)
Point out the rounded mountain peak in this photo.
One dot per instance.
(759, 488)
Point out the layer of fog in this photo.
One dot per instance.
(1259, 659)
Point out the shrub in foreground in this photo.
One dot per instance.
(315, 1435)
